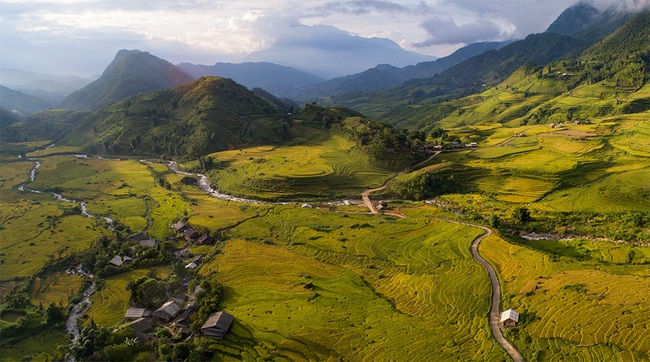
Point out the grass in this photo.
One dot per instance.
(54, 151)
(109, 304)
(41, 347)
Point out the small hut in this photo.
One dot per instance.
(217, 325)
(509, 318)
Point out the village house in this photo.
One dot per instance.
(134, 313)
(182, 323)
(149, 243)
(180, 226)
(204, 239)
(119, 260)
(138, 237)
(217, 325)
(509, 318)
(167, 311)
(141, 327)
(190, 234)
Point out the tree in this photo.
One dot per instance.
(521, 215)
(54, 314)
(147, 291)
(494, 220)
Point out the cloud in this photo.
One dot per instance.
(446, 31)
(359, 7)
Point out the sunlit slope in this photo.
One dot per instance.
(580, 310)
(382, 288)
(317, 164)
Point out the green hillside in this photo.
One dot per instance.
(484, 70)
(205, 116)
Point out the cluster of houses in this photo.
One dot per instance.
(431, 148)
(190, 234)
(176, 317)
(181, 228)
(142, 239)
(559, 125)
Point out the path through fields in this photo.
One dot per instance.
(365, 195)
(496, 293)
(495, 303)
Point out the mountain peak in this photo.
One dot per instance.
(575, 19)
(131, 72)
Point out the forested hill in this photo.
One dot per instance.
(207, 115)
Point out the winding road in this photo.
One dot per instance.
(496, 294)
(495, 303)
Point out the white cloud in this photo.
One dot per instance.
(207, 31)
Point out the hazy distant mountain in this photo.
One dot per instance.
(19, 79)
(329, 52)
(131, 72)
(51, 88)
(586, 22)
(21, 103)
(381, 76)
(251, 75)
(470, 76)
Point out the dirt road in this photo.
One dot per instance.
(496, 296)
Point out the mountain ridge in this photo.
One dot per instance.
(131, 72)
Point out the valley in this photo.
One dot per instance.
(160, 217)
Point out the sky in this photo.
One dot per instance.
(82, 36)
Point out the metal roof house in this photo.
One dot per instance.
(149, 243)
(167, 311)
(117, 260)
(134, 313)
(180, 226)
(190, 233)
(509, 318)
(217, 325)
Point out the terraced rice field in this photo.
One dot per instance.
(370, 275)
(55, 288)
(318, 165)
(578, 310)
(34, 233)
(111, 302)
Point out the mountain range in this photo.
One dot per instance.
(187, 117)
(491, 67)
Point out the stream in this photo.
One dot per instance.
(204, 185)
(81, 307)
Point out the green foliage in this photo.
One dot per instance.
(428, 184)
(521, 215)
(205, 116)
(147, 291)
(54, 314)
